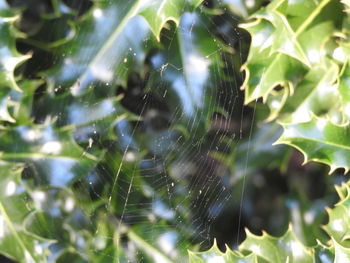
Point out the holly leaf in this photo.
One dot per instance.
(52, 155)
(106, 47)
(15, 106)
(272, 249)
(10, 58)
(290, 45)
(316, 94)
(215, 255)
(16, 242)
(338, 226)
(268, 249)
(186, 69)
(319, 140)
(287, 248)
(344, 80)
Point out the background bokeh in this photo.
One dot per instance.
(148, 149)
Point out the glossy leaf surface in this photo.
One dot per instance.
(52, 154)
(288, 248)
(105, 47)
(320, 141)
(288, 63)
(15, 240)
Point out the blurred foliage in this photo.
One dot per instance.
(124, 137)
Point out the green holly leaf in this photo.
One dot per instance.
(186, 69)
(109, 54)
(158, 12)
(338, 226)
(214, 254)
(15, 106)
(342, 254)
(344, 81)
(52, 155)
(300, 70)
(290, 45)
(72, 111)
(15, 241)
(321, 141)
(268, 249)
(316, 94)
(272, 249)
(288, 248)
(10, 58)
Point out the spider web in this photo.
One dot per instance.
(188, 187)
(167, 180)
(188, 166)
(171, 180)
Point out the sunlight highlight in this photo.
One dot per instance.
(215, 259)
(321, 123)
(97, 13)
(314, 56)
(69, 204)
(10, 188)
(297, 249)
(339, 54)
(53, 147)
(167, 241)
(2, 226)
(337, 225)
(8, 61)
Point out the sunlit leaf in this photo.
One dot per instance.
(338, 226)
(321, 141)
(300, 71)
(15, 241)
(288, 248)
(10, 58)
(51, 154)
(187, 70)
(106, 47)
(215, 255)
(344, 83)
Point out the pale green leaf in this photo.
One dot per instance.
(15, 241)
(215, 255)
(287, 248)
(321, 141)
(106, 47)
(52, 154)
(338, 226)
(10, 58)
(288, 40)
